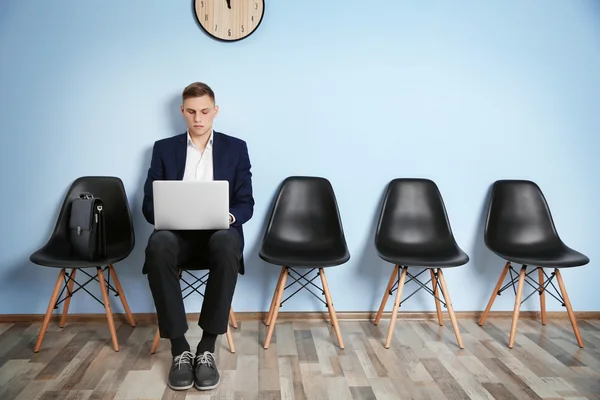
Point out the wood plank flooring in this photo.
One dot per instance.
(304, 362)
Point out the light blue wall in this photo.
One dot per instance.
(460, 92)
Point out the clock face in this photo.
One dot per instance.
(229, 20)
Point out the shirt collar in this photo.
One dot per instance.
(209, 144)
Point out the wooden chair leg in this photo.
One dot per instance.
(270, 320)
(107, 308)
(517, 309)
(542, 296)
(334, 320)
(494, 293)
(51, 305)
(438, 306)
(63, 319)
(232, 318)
(230, 340)
(570, 312)
(396, 306)
(449, 307)
(273, 320)
(330, 310)
(121, 293)
(274, 300)
(155, 342)
(386, 295)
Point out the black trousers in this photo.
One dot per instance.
(218, 251)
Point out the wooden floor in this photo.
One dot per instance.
(304, 362)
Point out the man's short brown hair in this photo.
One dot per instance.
(197, 89)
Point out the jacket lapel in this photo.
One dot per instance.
(180, 155)
(218, 159)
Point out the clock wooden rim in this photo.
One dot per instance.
(228, 40)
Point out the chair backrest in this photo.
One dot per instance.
(305, 212)
(413, 214)
(518, 215)
(117, 215)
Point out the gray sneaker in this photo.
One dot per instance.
(206, 374)
(181, 376)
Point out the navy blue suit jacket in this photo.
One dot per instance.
(230, 162)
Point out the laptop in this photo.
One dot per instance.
(191, 205)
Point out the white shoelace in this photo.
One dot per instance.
(187, 357)
(206, 358)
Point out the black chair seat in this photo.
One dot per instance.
(448, 255)
(193, 266)
(306, 256)
(414, 229)
(305, 228)
(520, 228)
(200, 263)
(120, 238)
(559, 256)
(62, 258)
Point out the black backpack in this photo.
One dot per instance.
(86, 227)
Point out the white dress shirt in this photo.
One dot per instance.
(199, 164)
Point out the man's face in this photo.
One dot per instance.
(199, 113)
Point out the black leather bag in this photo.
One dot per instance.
(86, 227)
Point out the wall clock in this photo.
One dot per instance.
(229, 20)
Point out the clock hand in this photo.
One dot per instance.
(229, 4)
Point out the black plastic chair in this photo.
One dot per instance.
(193, 284)
(304, 231)
(57, 252)
(519, 228)
(414, 231)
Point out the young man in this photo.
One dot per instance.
(199, 154)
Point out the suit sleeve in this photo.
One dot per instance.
(155, 172)
(242, 203)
